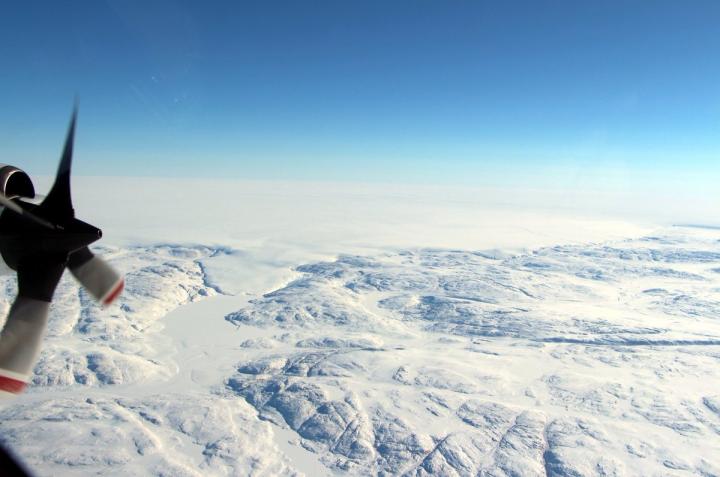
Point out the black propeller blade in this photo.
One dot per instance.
(58, 202)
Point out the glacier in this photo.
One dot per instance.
(583, 359)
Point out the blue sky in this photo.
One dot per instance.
(417, 91)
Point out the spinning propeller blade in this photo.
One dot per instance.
(15, 207)
(58, 202)
(102, 281)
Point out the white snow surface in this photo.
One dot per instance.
(293, 329)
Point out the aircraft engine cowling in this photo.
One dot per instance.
(15, 182)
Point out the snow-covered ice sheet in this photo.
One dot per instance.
(569, 360)
(513, 349)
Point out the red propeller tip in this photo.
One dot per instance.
(114, 293)
(10, 384)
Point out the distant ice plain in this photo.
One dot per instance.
(297, 328)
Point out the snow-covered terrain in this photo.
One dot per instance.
(431, 344)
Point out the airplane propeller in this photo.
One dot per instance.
(39, 242)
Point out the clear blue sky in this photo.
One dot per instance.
(464, 91)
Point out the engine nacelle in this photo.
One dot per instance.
(15, 182)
